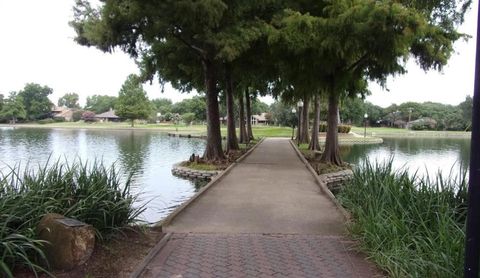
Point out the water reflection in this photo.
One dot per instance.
(148, 155)
(425, 155)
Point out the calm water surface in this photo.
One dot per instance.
(421, 155)
(150, 155)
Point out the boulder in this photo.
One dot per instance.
(71, 242)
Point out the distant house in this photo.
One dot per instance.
(261, 119)
(62, 112)
(108, 116)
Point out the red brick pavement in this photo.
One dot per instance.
(258, 255)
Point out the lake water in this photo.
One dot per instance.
(426, 156)
(150, 155)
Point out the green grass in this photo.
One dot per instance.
(200, 166)
(258, 131)
(389, 131)
(409, 226)
(91, 193)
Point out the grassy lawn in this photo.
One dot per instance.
(258, 131)
(388, 131)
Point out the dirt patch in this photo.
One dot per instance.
(320, 167)
(116, 258)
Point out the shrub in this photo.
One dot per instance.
(88, 116)
(77, 115)
(323, 127)
(46, 121)
(188, 118)
(91, 193)
(411, 227)
(59, 119)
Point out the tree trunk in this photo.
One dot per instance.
(314, 143)
(132, 123)
(249, 116)
(304, 122)
(243, 128)
(213, 150)
(232, 141)
(331, 153)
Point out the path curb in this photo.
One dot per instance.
(153, 252)
(321, 184)
(204, 189)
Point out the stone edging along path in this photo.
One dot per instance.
(215, 179)
(321, 183)
(188, 173)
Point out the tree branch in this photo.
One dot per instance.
(199, 50)
(357, 63)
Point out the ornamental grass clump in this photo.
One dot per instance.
(92, 193)
(409, 226)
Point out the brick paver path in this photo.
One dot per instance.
(266, 218)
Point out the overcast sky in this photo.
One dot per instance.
(37, 46)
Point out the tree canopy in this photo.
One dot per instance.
(132, 100)
(100, 103)
(69, 100)
(13, 108)
(35, 100)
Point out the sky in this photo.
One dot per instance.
(37, 46)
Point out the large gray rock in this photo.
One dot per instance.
(71, 241)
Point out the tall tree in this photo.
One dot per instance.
(314, 142)
(69, 100)
(1, 101)
(13, 108)
(100, 103)
(344, 43)
(242, 122)
(36, 102)
(132, 101)
(232, 141)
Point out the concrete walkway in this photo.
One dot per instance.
(267, 217)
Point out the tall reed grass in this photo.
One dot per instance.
(410, 226)
(89, 192)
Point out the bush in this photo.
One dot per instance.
(59, 119)
(411, 227)
(188, 118)
(77, 115)
(323, 127)
(91, 193)
(46, 121)
(88, 116)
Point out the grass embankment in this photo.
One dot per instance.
(220, 165)
(91, 193)
(402, 132)
(410, 227)
(258, 131)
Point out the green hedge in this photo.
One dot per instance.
(341, 128)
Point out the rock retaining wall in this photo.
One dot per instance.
(188, 173)
(335, 180)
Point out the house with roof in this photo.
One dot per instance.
(262, 119)
(108, 116)
(62, 112)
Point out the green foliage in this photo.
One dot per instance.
(195, 105)
(282, 114)
(46, 121)
(132, 100)
(36, 102)
(13, 108)
(77, 115)
(188, 118)
(162, 105)
(341, 128)
(69, 100)
(2, 100)
(467, 107)
(100, 103)
(91, 193)
(410, 226)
